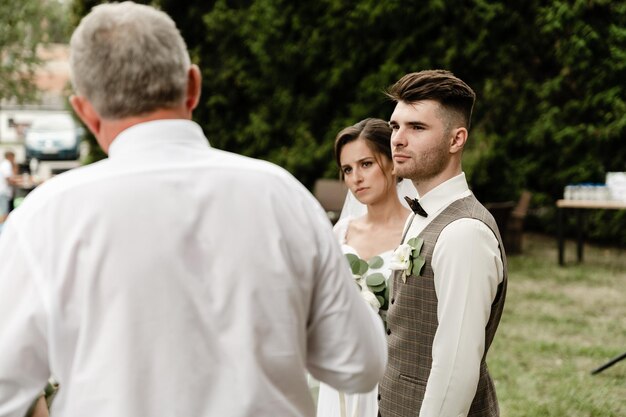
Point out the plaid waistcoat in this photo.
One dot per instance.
(412, 323)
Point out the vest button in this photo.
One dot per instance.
(393, 300)
(378, 397)
(388, 331)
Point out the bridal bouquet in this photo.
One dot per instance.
(373, 285)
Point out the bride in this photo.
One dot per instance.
(369, 227)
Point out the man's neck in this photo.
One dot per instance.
(423, 186)
(111, 128)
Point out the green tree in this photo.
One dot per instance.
(24, 26)
(282, 77)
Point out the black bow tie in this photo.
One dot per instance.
(416, 206)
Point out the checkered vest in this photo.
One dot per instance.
(412, 323)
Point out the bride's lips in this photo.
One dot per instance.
(358, 190)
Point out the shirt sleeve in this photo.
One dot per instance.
(468, 268)
(340, 229)
(347, 347)
(23, 351)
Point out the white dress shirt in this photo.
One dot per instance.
(468, 268)
(173, 279)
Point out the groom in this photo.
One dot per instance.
(443, 314)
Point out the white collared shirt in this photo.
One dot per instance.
(173, 279)
(468, 268)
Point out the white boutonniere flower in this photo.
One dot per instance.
(407, 258)
(401, 257)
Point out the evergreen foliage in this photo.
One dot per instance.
(24, 26)
(281, 78)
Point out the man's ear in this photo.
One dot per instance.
(194, 86)
(459, 137)
(86, 113)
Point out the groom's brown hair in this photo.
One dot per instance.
(439, 85)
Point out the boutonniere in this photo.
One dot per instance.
(407, 258)
(373, 285)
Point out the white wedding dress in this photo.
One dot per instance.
(332, 403)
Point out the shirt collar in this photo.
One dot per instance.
(154, 134)
(444, 194)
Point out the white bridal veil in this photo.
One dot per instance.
(352, 208)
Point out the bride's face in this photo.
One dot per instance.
(369, 180)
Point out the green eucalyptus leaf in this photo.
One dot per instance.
(363, 267)
(418, 264)
(381, 300)
(378, 289)
(351, 257)
(376, 262)
(354, 262)
(416, 243)
(385, 295)
(375, 279)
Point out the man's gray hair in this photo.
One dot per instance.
(128, 60)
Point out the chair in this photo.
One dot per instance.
(509, 217)
(331, 194)
(515, 224)
(501, 212)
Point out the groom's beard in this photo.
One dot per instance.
(423, 166)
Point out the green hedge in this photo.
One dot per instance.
(282, 77)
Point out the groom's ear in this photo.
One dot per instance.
(457, 139)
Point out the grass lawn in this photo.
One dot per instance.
(559, 323)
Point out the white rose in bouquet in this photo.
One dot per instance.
(371, 299)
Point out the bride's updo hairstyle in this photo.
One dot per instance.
(375, 132)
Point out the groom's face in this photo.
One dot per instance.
(419, 140)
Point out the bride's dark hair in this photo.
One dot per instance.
(375, 132)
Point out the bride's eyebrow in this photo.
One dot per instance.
(358, 161)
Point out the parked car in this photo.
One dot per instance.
(53, 137)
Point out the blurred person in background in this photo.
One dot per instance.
(8, 170)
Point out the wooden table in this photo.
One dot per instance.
(579, 206)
